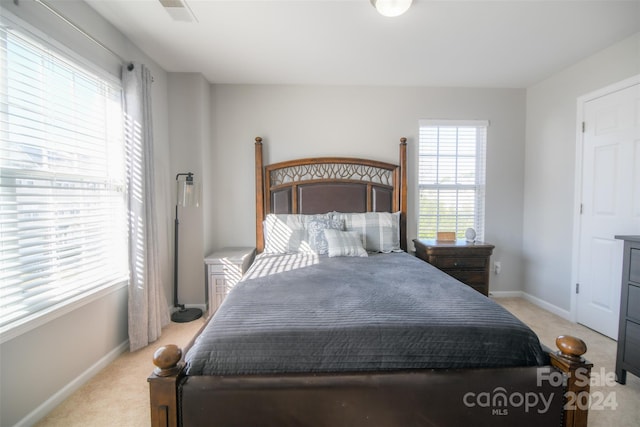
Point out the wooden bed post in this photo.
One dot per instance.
(259, 196)
(163, 386)
(403, 193)
(578, 372)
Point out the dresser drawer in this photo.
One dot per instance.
(459, 262)
(634, 265)
(633, 303)
(632, 345)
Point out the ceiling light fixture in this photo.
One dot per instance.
(391, 8)
(179, 10)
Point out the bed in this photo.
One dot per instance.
(336, 324)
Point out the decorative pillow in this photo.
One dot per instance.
(315, 231)
(380, 231)
(285, 233)
(344, 243)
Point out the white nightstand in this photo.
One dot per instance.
(223, 269)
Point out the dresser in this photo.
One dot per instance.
(223, 270)
(466, 261)
(628, 356)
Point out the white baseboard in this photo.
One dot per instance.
(565, 314)
(47, 406)
(534, 300)
(506, 294)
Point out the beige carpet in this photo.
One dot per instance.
(118, 396)
(601, 352)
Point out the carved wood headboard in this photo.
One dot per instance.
(325, 184)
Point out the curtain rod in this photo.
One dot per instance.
(76, 27)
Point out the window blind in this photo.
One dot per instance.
(62, 187)
(451, 177)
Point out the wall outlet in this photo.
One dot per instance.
(497, 267)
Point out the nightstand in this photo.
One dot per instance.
(223, 270)
(466, 261)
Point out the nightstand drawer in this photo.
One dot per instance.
(471, 278)
(217, 268)
(462, 262)
(230, 270)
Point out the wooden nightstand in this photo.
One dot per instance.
(223, 270)
(467, 262)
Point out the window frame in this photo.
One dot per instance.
(38, 318)
(478, 186)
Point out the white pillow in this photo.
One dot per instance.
(284, 234)
(295, 233)
(344, 243)
(380, 231)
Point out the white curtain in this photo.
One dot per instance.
(148, 309)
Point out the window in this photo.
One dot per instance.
(62, 188)
(451, 177)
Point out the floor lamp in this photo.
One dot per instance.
(187, 196)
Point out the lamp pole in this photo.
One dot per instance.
(183, 314)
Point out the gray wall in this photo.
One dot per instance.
(45, 364)
(189, 133)
(309, 121)
(550, 168)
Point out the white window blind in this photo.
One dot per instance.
(62, 201)
(451, 177)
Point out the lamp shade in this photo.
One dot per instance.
(391, 8)
(188, 190)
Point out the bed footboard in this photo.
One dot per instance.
(163, 386)
(577, 371)
(568, 370)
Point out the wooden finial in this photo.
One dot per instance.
(258, 140)
(403, 140)
(166, 359)
(571, 347)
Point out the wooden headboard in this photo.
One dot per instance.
(326, 184)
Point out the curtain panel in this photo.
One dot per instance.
(148, 310)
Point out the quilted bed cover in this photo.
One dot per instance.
(304, 313)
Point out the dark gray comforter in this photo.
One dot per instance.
(303, 313)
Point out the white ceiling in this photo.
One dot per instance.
(508, 43)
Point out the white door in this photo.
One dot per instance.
(610, 203)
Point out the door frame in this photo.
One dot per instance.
(577, 199)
